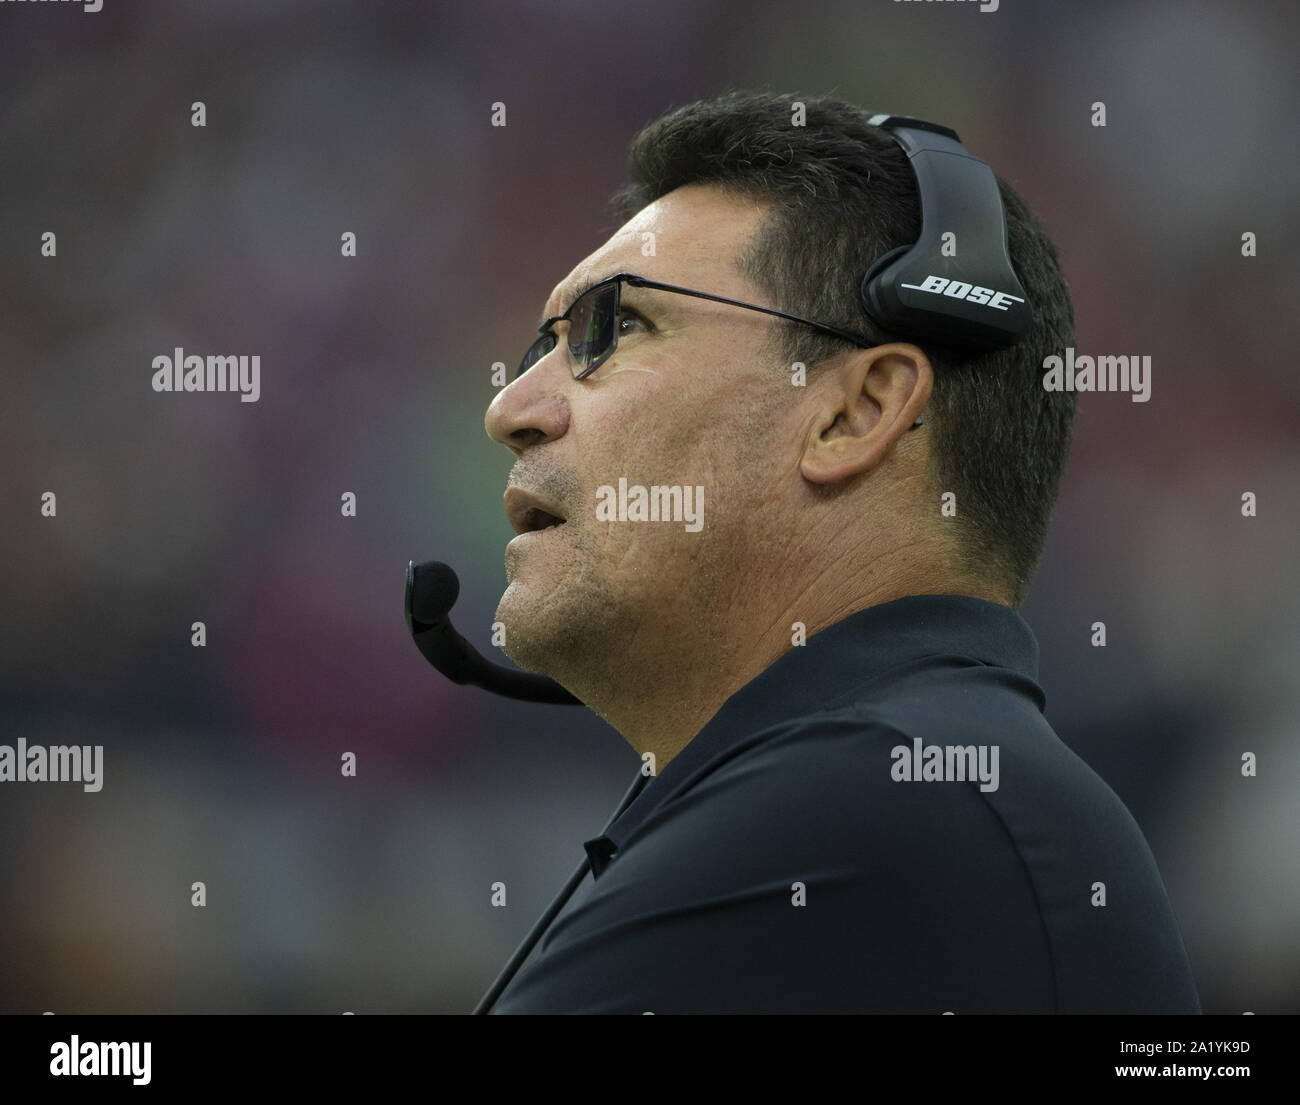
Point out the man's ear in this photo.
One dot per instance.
(862, 407)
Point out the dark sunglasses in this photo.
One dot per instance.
(593, 324)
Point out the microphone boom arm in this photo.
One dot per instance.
(431, 591)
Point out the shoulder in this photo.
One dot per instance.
(825, 793)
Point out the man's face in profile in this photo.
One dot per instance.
(691, 398)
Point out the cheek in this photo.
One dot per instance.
(614, 432)
(655, 435)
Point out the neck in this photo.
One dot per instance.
(661, 696)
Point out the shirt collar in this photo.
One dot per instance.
(835, 667)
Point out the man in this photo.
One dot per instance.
(785, 566)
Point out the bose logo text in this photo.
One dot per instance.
(959, 289)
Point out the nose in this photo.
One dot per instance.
(532, 409)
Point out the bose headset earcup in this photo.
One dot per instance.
(955, 284)
(876, 311)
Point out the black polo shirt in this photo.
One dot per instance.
(808, 851)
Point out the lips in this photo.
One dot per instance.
(529, 513)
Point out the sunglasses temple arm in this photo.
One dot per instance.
(856, 339)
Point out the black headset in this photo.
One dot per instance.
(954, 285)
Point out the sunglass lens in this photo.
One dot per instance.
(591, 329)
(536, 352)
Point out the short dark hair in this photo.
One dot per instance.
(843, 194)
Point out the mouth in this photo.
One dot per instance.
(530, 514)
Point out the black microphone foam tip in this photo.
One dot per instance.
(434, 591)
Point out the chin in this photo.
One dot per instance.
(521, 611)
(552, 625)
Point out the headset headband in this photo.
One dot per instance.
(960, 289)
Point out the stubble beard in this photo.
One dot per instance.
(560, 620)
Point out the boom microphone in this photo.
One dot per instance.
(431, 592)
